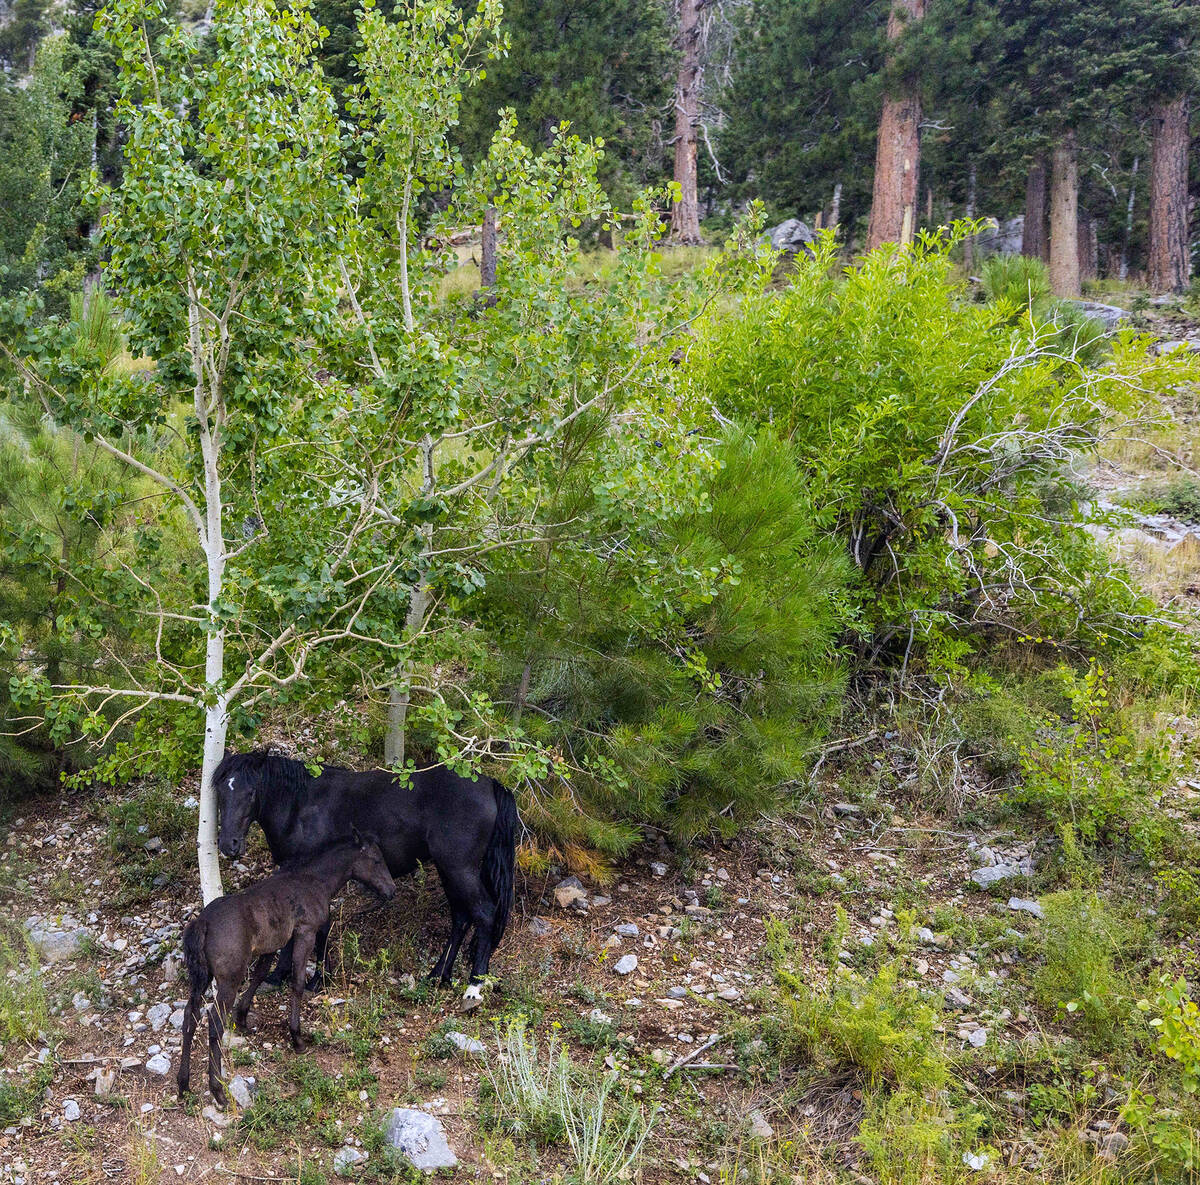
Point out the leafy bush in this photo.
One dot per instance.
(1169, 1123)
(1094, 781)
(934, 435)
(1178, 496)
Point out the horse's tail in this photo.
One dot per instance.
(194, 957)
(500, 859)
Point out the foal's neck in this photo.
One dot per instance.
(331, 869)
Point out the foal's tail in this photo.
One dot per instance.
(500, 858)
(194, 957)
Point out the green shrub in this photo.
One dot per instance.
(912, 1139)
(878, 1023)
(1024, 284)
(1094, 781)
(935, 436)
(1082, 940)
(24, 1009)
(690, 682)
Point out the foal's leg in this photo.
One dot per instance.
(283, 969)
(303, 947)
(218, 1010)
(191, 1017)
(257, 974)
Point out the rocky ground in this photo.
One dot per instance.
(664, 973)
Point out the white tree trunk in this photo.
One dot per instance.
(401, 694)
(216, 722)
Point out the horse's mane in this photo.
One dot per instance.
(270, 774)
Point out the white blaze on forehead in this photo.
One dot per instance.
(231, 784)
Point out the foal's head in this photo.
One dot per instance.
(370, 868)
(236, 798)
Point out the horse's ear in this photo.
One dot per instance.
(357, 839)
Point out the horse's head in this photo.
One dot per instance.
(236, 799)
(370, 868)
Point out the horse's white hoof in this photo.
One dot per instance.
(472, 997)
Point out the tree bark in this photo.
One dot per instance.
(1169, 263)
(1123, 267)
(487, 249)
(1035, 243)
(685, 216)
(1064, 216)
(897, 152)
(835, 206)
(969, 241)
(1088, 247)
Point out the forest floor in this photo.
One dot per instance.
(869, 871)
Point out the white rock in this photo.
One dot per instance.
(419, 1138)
(760, 1129)
(70, 1110)
(105, 1081)
(466, 1044)
(626, 930)
(1023, 905)
(215, 1117)
(978, 1038)
(157, 1015)
(626, 964)
(177, 1019)
(159, 1064)
(243, 1090)
(344, 1160)
(658, 868)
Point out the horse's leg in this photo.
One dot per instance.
(257, 974)
(443, 969)
(283, 969)
(466, 893)
(191, 1017)
(303, 948)
(323, 958)
(218, 1010)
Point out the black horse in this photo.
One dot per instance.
(466, 827)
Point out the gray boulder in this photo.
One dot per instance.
(56, 939)
(791, 236)
(1107, 314)
(1001, 238)
(419, 1138)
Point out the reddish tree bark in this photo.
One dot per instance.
(487, 249)
(1064, 216)
(1169, 262)
(898, 150)
(685, 216)
(1036, 243)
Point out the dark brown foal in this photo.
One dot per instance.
(232, 932)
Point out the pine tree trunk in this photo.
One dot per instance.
(685, 216)
(835, 206)
(1035, 244)
(1169, 262)
(897, 152)
(487, 249)
(1064, 217)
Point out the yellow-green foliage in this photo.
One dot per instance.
(876, 1023)
(23, 1008)
(913, 1138)
(1083, 937)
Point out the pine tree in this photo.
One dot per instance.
(605, 67)
(802, 105)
